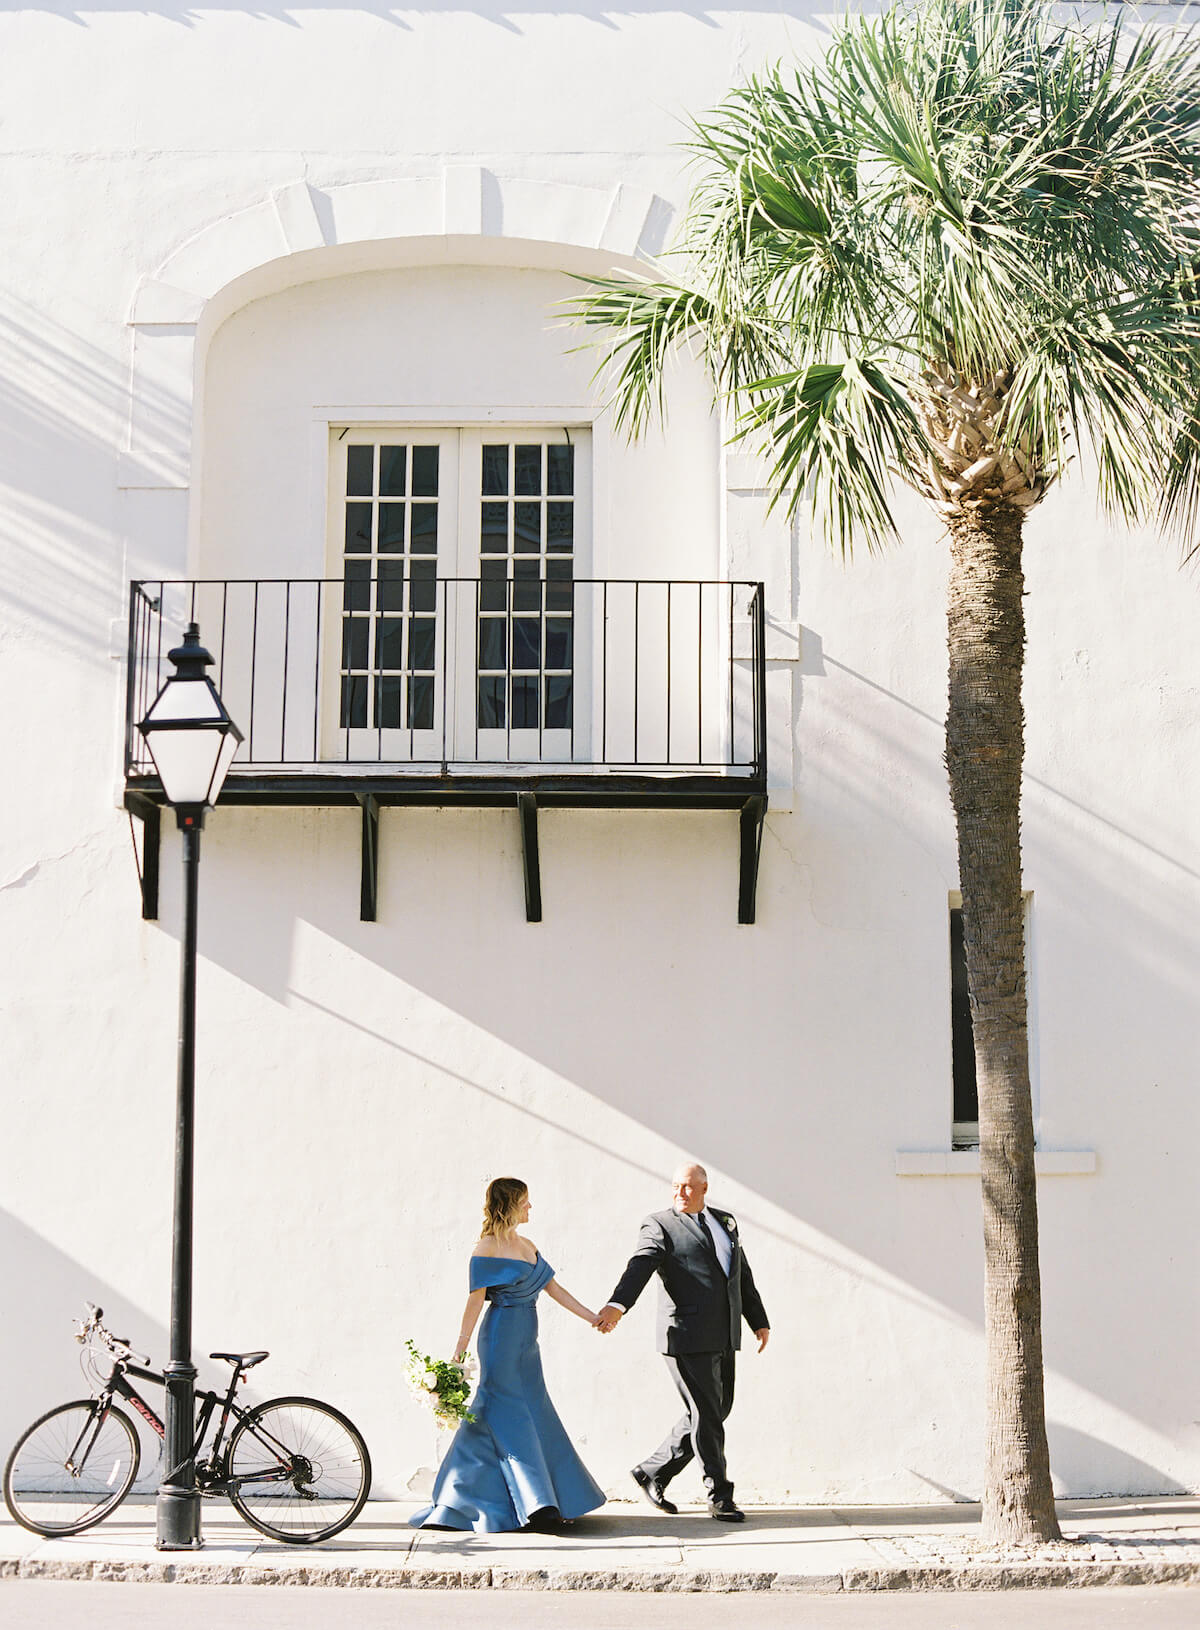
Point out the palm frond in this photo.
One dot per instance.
(966, 190)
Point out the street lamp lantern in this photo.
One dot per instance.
(189, 733)
(192, 740)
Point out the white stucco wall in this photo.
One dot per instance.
(209, 174)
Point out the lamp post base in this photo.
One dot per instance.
(177, 1519)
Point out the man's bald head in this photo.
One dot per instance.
(690, 1185)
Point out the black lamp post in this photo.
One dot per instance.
(192, 740)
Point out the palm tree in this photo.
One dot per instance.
(956, 252)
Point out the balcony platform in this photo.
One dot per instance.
(671, 686)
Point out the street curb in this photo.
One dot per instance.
(969, 1576)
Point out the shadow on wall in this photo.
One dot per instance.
(603, 15)
(63, 406)
(1074, 1455)
(43, 1290)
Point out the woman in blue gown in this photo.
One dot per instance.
(513, 1466)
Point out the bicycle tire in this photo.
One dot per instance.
(36, 1479)
(329, 1463)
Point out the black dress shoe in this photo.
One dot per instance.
(652, 1489)
(724, 1510)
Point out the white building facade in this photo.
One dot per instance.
(283, 346)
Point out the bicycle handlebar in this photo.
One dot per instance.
(116, 1345)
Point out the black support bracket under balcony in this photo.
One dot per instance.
(753, 813)
(150, 815)
(527, 810)
(369, 893)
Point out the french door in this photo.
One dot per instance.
(456, 631)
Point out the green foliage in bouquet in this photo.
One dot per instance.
(442, 1385)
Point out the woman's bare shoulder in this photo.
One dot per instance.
(485, 1246)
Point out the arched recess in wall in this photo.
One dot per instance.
(466, 216)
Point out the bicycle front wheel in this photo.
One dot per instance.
(298, 1470)
(71, 1468)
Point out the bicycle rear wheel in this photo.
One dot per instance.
(71, 1468)
(298, 1470)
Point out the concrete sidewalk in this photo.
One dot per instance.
(629, 1547)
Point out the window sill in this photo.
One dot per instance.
(965, 1162)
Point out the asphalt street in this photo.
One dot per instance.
(46, 1605)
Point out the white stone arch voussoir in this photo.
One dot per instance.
(465, 215)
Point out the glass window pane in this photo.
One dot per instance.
(962, 1029)
(391, 471)
(493, 530)
(527, 589)
(389, 696)
(391, 529)
(492, 641)
(491, 704)
(355, 642)
(389, 642)
(558, 584)
(423, 586)
(560, 526)
(425, 472)
(527, 642)
(525, 703)
(420, 702)
(358, 529)
(528, 470)
(390, 592)
(558, 642)
(527, 529)
(560, 469)
(354, 702)
(360, 471)
(423, 529)
(493, 587)
(495, 470)
(421, 643)
(558, 702)
(357, 585)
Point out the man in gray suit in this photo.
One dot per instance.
(705, 1290)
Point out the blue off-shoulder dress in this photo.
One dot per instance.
(515, 1457)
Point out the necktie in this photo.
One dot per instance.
(707, 1232)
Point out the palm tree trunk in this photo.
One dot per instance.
(984, 753)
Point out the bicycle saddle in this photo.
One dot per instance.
(246, 1360)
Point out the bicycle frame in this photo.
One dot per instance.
(212, 1475)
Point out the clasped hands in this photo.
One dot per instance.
(609, 1317)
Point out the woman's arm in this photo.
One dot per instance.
(564, 1299)
(470, 1319)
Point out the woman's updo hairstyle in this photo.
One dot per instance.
(502, 1203)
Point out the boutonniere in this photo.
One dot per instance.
(730, 1225)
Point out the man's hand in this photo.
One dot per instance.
(764, 1336)
(608, 1318)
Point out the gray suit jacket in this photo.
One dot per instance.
(699, 1310)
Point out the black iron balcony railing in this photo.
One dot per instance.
(395, 688)
(449, 677)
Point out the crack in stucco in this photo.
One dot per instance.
(27, 876)
(23, 879)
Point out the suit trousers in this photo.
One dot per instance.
(705, 1382)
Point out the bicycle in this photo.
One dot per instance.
(294, 1468)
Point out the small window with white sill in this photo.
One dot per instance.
(965, 1122)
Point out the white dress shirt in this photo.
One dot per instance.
(722, 1244)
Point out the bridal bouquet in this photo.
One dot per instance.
(443, 1385)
